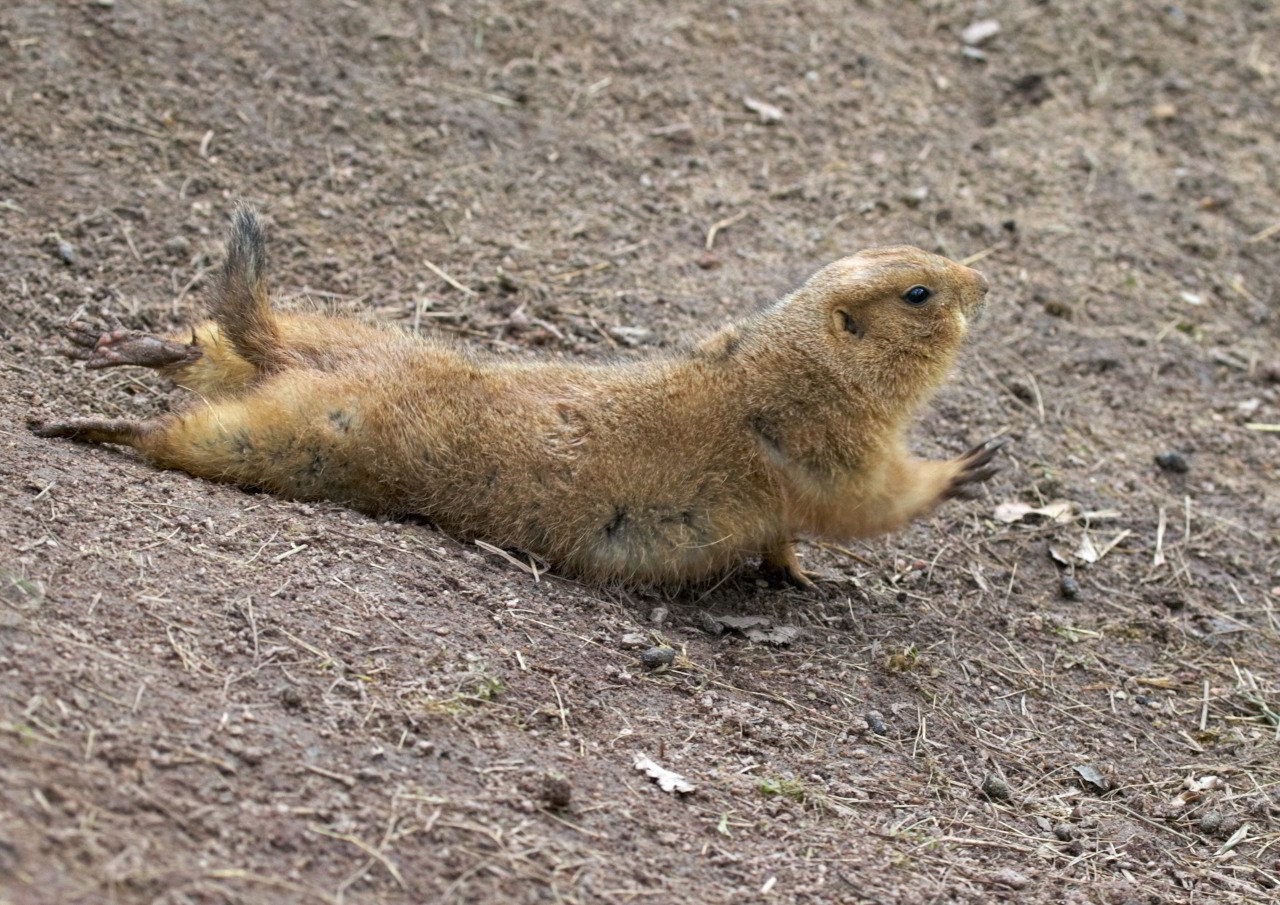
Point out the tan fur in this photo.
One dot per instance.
(787, 424)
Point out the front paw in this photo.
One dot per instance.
(975, 467)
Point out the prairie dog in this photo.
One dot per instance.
(789, 423)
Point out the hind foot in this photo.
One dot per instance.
(780, 566)
(94, 430)
(975, 467)
(109, 343)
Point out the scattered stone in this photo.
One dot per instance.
(768, 113)
(1064, 832)
(875, 722)
(177, 247)
(1173, 461)
(710, 624)
(631, 336)
(1229, 824)
(656, 657)
(556, 792)
(1164, 112)
(667, 780)
(632, 641)
(916, 196)
(658, 615)
(1069, 587)
(708, 261)
(1011, 878)
(980, 32)
(65, 252)
(995, 788)
(1210, 822)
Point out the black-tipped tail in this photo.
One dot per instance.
(241, 303)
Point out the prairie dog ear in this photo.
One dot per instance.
(721, 344)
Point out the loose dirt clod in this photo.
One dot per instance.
(1173, 461)
(657, 657)
(995, 788)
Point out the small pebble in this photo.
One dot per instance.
(656, 657)
(980, 31)
(66, 252)
(1210, 822)
(710, 624)
(1229, 824)
(658, 615)
(1063, 831)
(1011, 878)
(632, 641)
(875, 722)
(995, 788)
(1069, 587)
(178, 246)
(556, 792)
(1173, 461)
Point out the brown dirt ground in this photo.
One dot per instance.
(212, 696)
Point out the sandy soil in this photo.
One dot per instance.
(210, 696)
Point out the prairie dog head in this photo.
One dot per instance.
(886, 321)
(898, 300)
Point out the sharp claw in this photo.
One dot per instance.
(980, 475)
(984, 452)
(113, 322)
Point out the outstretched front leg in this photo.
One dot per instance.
(109, 343)
(899, 490)
(915, 487)
(973, 468)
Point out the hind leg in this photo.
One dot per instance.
(203, 363)
(98, 430)
(109, 343)
(209, 441)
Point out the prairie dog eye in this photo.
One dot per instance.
(916, 295)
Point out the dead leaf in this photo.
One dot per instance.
(1059, 557)
(1203, 784)
(1016, 511)
(1236, 838)
(666, 779)
(1087, 552)
(759, 629)
(778, 634)
(1092, 776)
